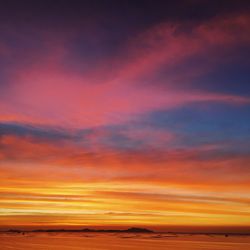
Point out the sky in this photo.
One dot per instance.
(125, 113)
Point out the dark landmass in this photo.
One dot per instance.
(129, 230)
(86, 230)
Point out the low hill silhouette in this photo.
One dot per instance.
(88, 230)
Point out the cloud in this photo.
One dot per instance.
(97, 160)
(41, 90)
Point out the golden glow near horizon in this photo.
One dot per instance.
(118, 204)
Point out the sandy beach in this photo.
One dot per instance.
(102, 241)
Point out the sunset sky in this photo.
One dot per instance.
(125, 113)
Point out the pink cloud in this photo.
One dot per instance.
(43, 91)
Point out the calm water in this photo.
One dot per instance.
(101, 241)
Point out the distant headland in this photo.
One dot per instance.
(87, 230)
